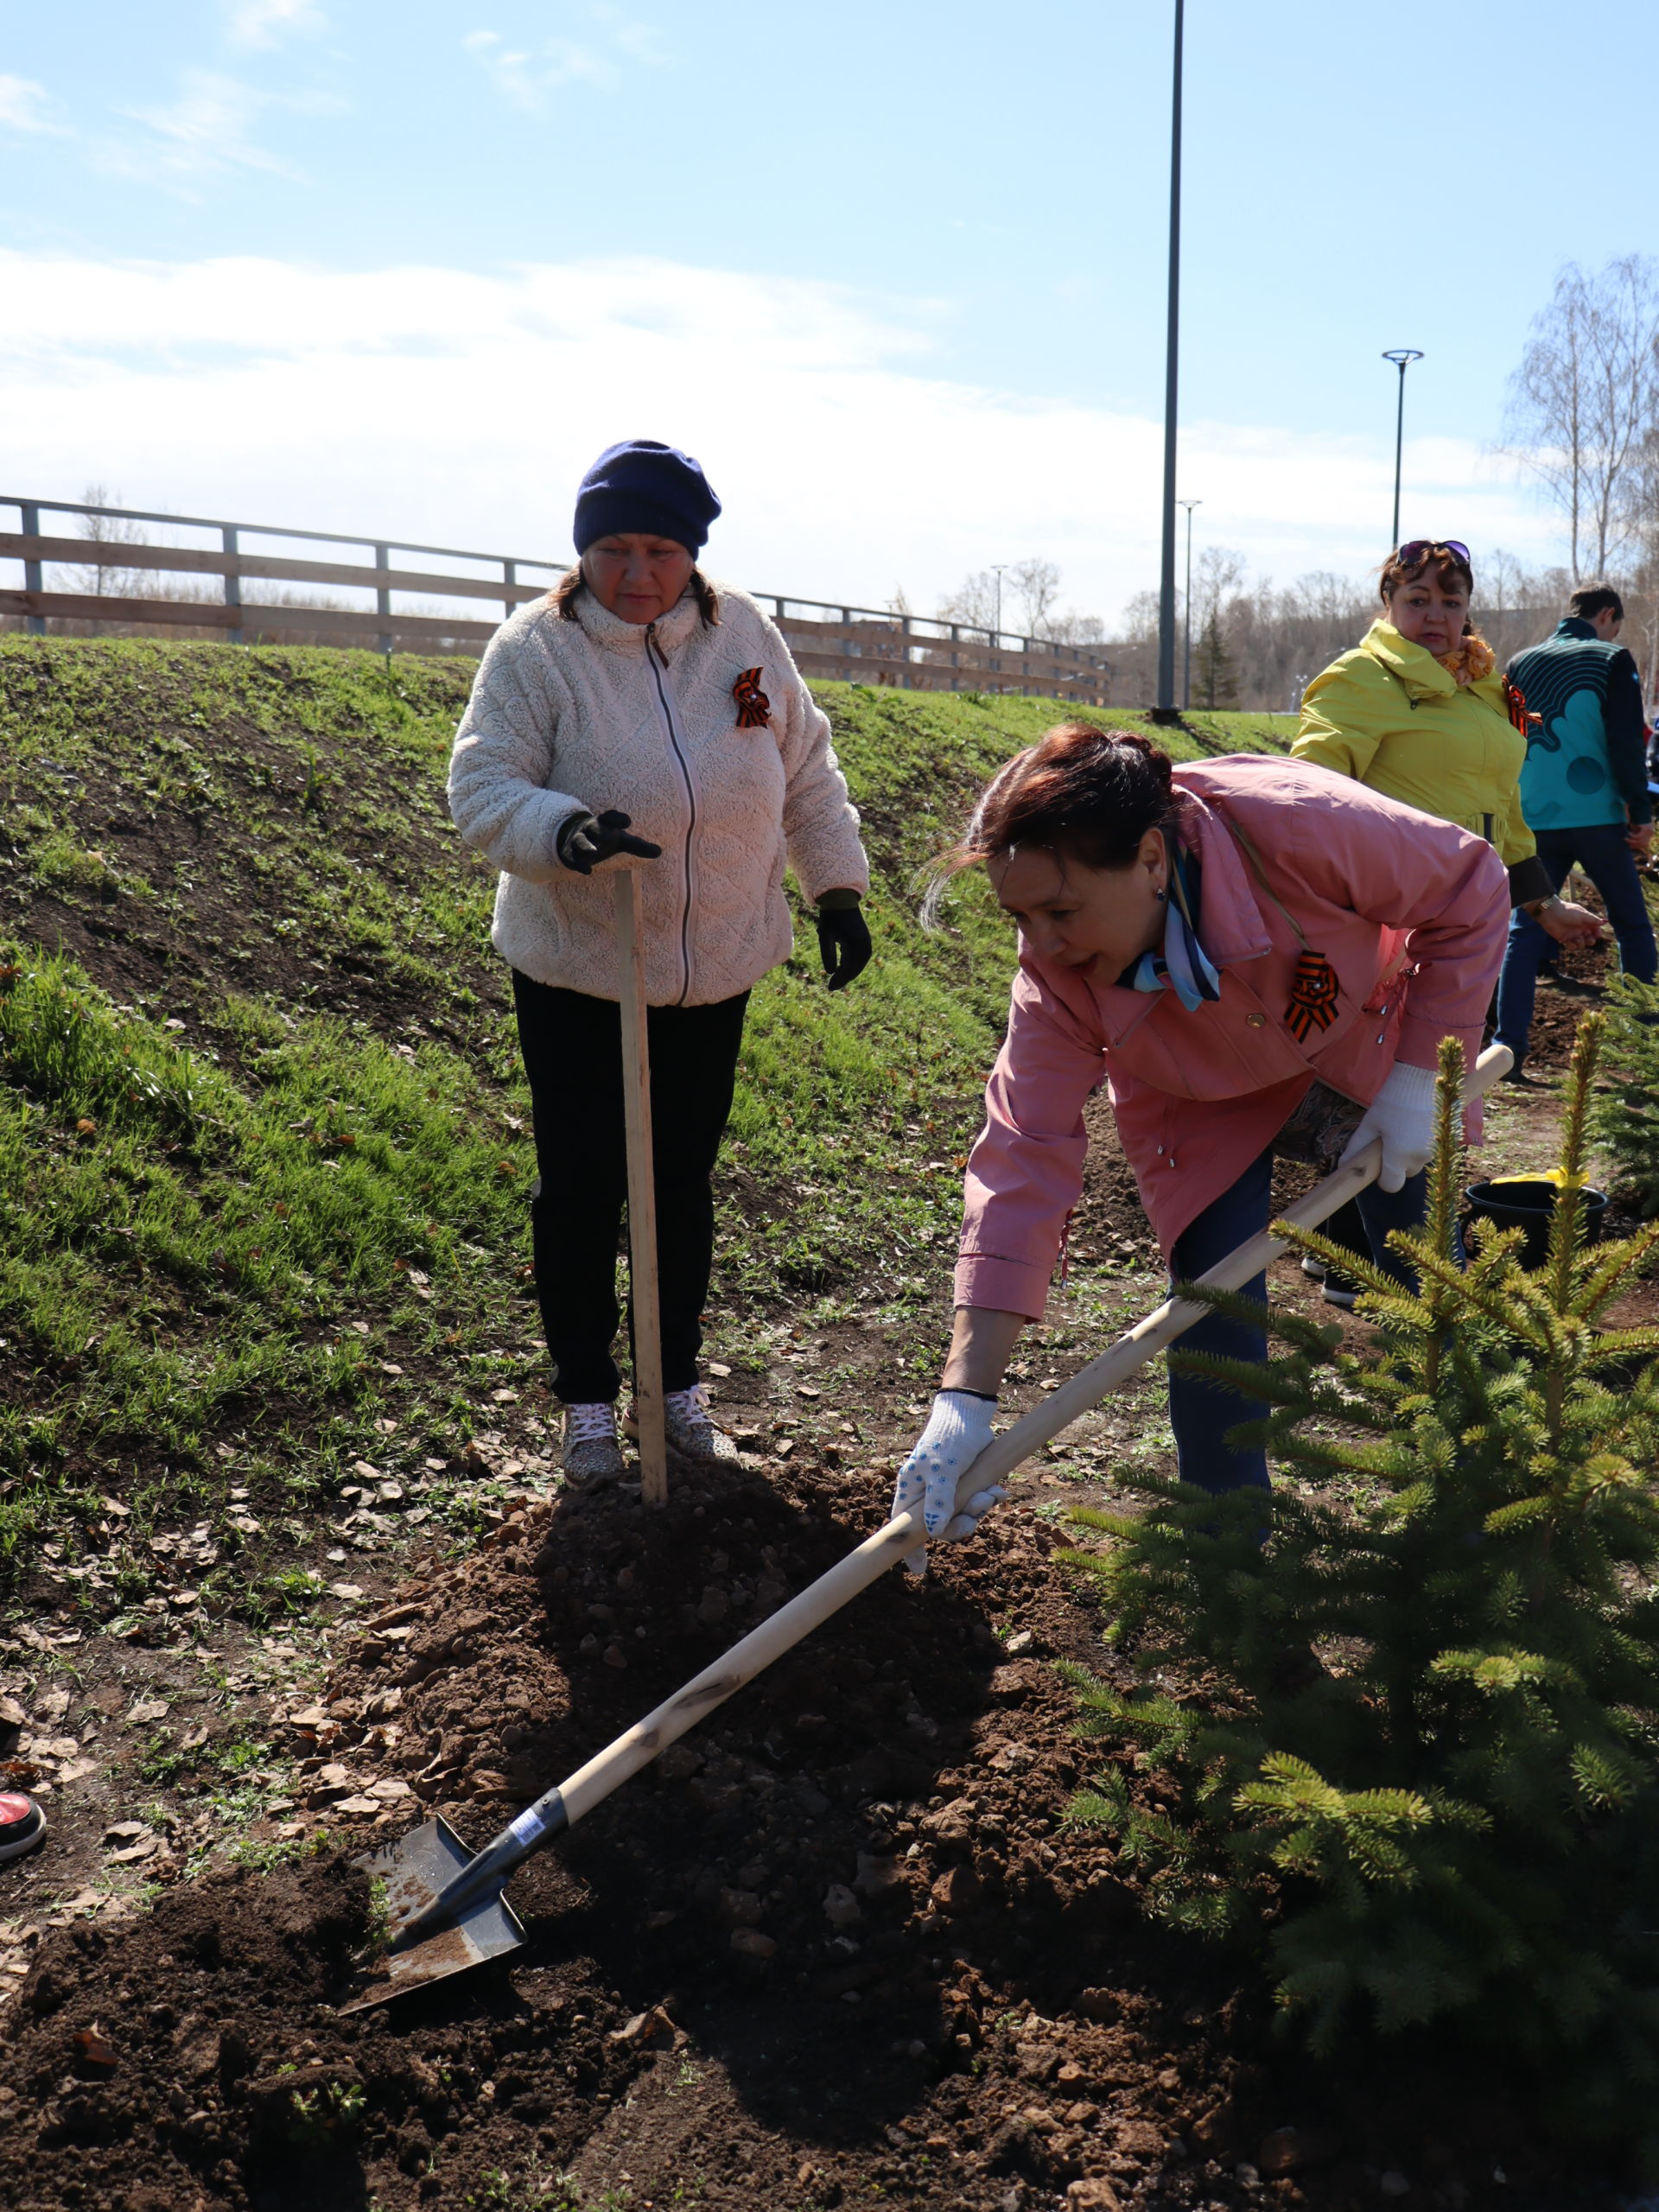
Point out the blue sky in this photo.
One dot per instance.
(895, 272)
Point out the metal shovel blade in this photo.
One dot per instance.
(415, 1869)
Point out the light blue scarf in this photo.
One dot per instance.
(1182, 965)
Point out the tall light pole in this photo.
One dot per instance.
(1187, 608)
(997, 567)
(1165, 709)
(1402, 357)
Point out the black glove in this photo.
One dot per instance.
(584, 839)
(844, 937)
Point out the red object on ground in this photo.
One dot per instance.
(21, 1824)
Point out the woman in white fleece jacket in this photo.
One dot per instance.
(639, 718)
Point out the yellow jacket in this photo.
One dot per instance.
(1389, 714)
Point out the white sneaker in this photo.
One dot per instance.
(591, 1451)
(1313, 1267)
(692, 1435)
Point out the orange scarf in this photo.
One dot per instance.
(1470, 659)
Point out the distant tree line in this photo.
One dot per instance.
(1582, 419)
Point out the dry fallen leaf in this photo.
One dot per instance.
(92, 2048)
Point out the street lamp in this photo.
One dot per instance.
(1402, 357)
(997, 567)
(1186, 672)
(1165, 709)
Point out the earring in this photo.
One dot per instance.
(1162, 897)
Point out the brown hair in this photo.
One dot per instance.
(1445, 563)
(1591, 600)
(1081, 791)
(572, 583)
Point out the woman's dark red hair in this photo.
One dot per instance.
(1085, 793)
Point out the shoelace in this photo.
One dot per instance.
(589, 1424)
(690, 1405)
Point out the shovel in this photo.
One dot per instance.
(445, 1904)
(642, 1195)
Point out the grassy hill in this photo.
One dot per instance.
(264, 1153)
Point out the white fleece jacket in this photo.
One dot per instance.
(599, 713)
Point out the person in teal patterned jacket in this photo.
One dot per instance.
(1584, 792)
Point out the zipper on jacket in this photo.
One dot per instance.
(658, 661)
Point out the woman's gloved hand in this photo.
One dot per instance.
(958, 1429)
(1403, 1114)
(584, 840)
(844, 937)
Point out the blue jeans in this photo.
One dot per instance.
(1608, 861)
(1201, 1412)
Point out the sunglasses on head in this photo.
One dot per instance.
(1417, 549)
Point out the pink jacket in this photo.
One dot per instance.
(1198, 1095)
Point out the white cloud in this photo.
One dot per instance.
(459, 408)
(267, 22)
(20, 102)
(204, 134)
(526, 73)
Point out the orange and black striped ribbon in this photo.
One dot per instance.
(1313, 994)
(753, 708)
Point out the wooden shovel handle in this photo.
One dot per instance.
(589, 1785)
(642, 1193)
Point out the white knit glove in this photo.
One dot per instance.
(1403, 1114)
(958, 1429)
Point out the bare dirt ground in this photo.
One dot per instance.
(837, 1946)
(841, 1948)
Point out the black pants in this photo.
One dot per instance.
(572, 1045)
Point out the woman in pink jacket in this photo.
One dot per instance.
(1253, 955)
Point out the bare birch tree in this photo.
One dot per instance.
(973, 601)
(1031, 591)
(1585, 398)
(102, 576)
(1034, 587)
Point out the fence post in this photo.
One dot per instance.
(232, 584)
(509, 576)
(383, 597)
(34, 624)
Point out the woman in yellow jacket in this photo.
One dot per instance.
(1419, 711)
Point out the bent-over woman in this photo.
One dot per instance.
(1215, 944)
(640, 716)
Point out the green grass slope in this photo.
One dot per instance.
(264, 1153)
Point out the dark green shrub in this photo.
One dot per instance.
(1454, 1817)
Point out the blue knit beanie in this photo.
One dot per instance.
(643, 484)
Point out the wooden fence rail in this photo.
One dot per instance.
(854, 644)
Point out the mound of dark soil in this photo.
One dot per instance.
(836, 1944)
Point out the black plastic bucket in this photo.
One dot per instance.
(1529, 1202)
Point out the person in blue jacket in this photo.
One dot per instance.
(1584, 792)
